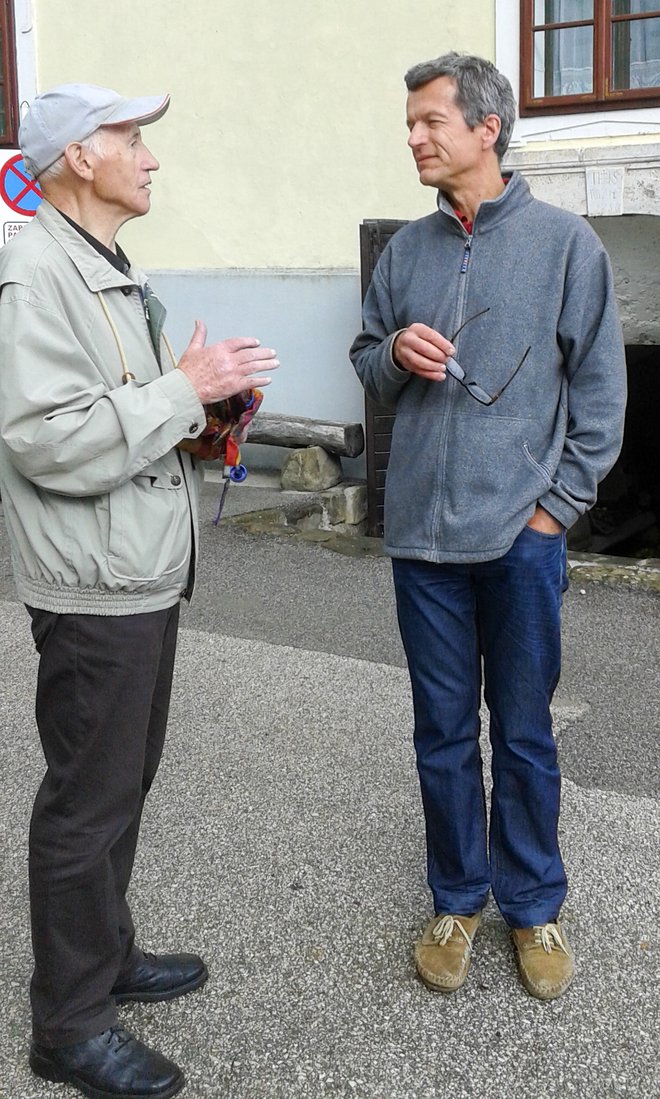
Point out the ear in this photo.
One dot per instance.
(492, 124)
(80, 160)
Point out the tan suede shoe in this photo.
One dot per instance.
(444, 952)
(545, 959)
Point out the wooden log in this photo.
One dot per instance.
(277, 429)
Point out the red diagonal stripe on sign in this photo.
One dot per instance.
(32, 184)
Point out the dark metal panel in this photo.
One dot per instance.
(374, 235)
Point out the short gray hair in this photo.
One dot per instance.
(481, 89)
(95, 143)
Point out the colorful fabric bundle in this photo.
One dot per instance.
(226, 427)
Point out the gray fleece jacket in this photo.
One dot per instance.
(464, 478)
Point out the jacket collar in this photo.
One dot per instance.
(493, 211)
(96, 271)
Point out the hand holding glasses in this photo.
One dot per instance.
(430, 355)
(456, 370)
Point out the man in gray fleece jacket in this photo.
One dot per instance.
(491, 328)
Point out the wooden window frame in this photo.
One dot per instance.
(9, 136)
(603, 96)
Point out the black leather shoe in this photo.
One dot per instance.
(112, 1064)
(161, 977)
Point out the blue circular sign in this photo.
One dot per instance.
(18, 189)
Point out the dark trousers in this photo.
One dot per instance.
(505, 613)
(102, 703)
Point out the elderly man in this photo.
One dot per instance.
(101, 508)
(491, 329)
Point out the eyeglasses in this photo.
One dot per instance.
(456, 370)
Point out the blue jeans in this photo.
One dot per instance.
(507, 613)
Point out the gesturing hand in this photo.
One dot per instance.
(423, 351)
(226, 368)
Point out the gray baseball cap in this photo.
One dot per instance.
(71, 112)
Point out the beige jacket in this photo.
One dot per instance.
(100, 507)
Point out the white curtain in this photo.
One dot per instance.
(570, 51)
(644, 48)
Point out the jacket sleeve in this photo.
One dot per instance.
(67, 431)
(591, 340)
(371, 352)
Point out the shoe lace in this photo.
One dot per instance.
(117, 1036)
(444, 929)
(549, 937)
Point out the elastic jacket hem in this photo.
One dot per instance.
(47, 597)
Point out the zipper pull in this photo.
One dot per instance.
(466, 255)
(145, 306)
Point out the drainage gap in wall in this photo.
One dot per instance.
(625, 520)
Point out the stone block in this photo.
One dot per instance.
(356, 504)
(345, 505)
(311, 520)
(334, 505)
(310, 470)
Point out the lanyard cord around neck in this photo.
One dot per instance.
(127, 374)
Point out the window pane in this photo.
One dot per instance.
(562, 11)
(7, 82)
(636, 54)
(634, 7)
(563, 62)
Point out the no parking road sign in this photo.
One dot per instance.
(20, 195)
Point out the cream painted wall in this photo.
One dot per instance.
(287, 120)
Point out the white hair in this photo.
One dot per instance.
(95, 143)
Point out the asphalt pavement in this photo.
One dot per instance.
(283, 839)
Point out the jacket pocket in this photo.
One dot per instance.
(149, 529)
(490, 481)
(541, 469)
